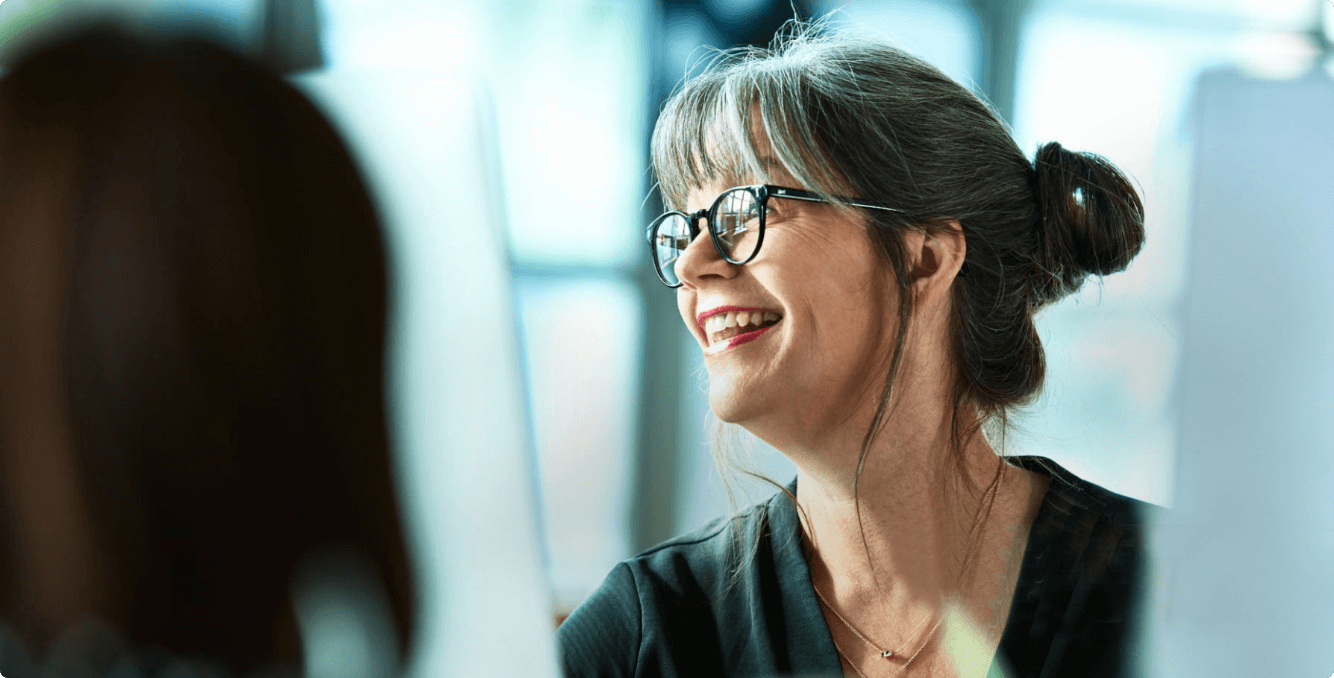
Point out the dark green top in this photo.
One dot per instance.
(674, 611)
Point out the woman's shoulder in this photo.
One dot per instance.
(671, 597)
(698, 563)
(709, 546)
(1096, 533)
(1082, 588)
(1069, 496)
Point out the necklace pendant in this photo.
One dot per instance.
(887, 654)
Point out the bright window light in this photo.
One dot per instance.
(945, 34)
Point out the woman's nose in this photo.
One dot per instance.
(701, 260)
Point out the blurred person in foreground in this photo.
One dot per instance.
(195, 474)
(859, 248)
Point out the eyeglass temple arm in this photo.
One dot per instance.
(808, 196)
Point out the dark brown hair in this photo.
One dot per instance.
(194, 239)
(853, 116)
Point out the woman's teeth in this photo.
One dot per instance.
(721, 328)
(722, 321)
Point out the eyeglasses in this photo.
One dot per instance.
(735, 222)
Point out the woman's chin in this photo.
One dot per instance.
(734, 405)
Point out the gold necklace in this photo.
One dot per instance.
(886, 654)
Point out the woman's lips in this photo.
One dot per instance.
(737, 341)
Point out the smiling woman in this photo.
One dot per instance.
(878, 249)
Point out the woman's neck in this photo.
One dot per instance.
(905, 539)
(900, 536)
(908, 522)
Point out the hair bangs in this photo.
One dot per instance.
(709, 132)
(700, 139)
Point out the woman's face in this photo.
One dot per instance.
(819, 273)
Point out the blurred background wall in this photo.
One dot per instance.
(567, 92)
(1248, 549)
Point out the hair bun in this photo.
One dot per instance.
(1092, 220)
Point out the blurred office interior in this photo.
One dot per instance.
(565, 93)
(620, 415)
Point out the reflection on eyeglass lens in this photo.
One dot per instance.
(737, 216)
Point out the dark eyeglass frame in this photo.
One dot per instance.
(761, 193)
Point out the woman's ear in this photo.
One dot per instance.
(934, 260)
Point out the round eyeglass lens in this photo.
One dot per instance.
(737, 224)
(670, 238)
